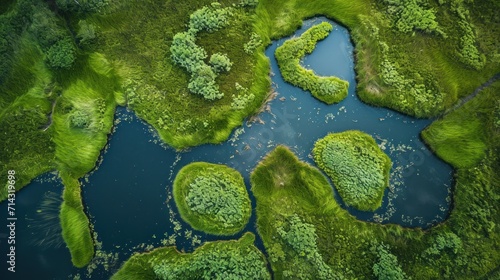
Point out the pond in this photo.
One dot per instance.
(128, 197)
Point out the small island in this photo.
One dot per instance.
(326, 89)
(358, 168)
(212, 198)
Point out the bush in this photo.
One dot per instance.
(212, 198)
(61, 55)
(409, 15)
(187, 54)
(220, 63)
(209, 19)
(387, 266)
(249, 3)
(80, 119)
(253, 44)
(327, 89)
(86, 33)
(357, 167)
(302, 238)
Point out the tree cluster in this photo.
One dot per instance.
(54, 40)
(187, 54)
(327, 89)
(410, 15)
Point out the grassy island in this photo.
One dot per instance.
(212, 198)
(236, 259)
(358, 168)
(327, 89)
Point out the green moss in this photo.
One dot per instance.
(237, 259)
(327, 89)
(358, 168)
(212, 198)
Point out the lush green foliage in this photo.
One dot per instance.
(302, 238)
(214, 260)
(410, 15)
(212, 198)
(220, 63)
(249, 3)
(86, 33)
(82, 6)
(61, 55)
(186, 53)
(387, 266)
(253, 44)
(327, 89)
(357, 167)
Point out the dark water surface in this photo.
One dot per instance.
(129, 196)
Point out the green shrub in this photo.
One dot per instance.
(302, 238)
(220, 63)
(253, 44)
(86, 33)
(327, 89)
(80, 119)
(82, 6)
(357, 167)
(410, 15)
(249, 3)
(187, 54)
(212, 198)
(61, 55)
(387, 266)
(209, 19)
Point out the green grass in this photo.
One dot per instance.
(358, 168)
(219, 194)
(461, 137)
(75, 224)
(235, 259)
(327, 89)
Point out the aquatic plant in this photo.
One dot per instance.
(327, 89)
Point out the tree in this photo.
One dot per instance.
(220, 63)
(61, 55)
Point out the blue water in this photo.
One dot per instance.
(128, 197)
